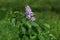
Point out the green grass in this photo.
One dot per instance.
(16, 26)
(52, 19)
(10, 32)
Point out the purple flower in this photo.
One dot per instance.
(29, 13)
(33, 18)
(32, 14)
(28, 16)
(28, 8)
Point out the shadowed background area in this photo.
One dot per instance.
(37, 5)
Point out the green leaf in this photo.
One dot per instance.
(34, 24)
(47, 25)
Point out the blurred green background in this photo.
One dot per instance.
(46, 10)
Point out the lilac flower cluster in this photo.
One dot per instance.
(29, 13)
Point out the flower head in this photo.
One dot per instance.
(33, 18)
(29, 13)
(28, 16)
(28, 8)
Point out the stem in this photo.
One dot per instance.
(27, 1)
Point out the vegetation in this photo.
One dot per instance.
(15, 26)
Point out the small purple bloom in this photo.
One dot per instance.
(28, 16)
(32, 14)
(29, 13)
(28, 8)
(33, 18)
